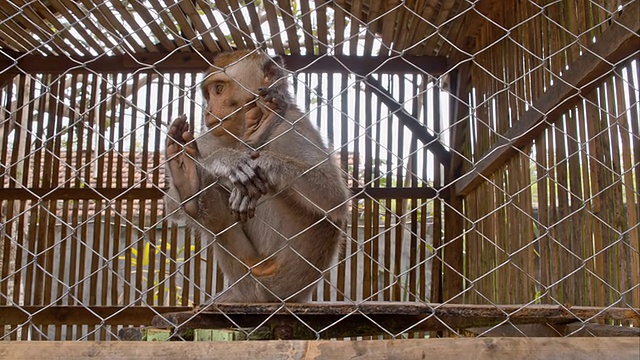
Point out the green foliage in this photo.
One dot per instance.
(141, 261)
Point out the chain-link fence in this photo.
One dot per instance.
(416, 169)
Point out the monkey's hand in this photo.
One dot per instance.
(181, 151)
(249, 183)
(273, 100)
(260, 120)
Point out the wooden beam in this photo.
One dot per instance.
(86, 193)
(335, 320)
(83, 315)
(412, 192)
(62, 193)
(617, 43)
(418, 129)
(451, 348)
(15, 63)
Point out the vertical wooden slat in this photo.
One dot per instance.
(344, 165)
(616, 215)
(400, 293)
(34, 275)
(6, 240)
(629, 241)
(354, 248)
(68, 227)
(369, 238)
(593, 120)
(631, 128)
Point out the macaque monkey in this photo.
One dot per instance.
(260, 183)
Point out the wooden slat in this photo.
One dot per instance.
(232, 18)
(289, 24)
(188, 7)
(615, 44)
(126, 15)
(108, 20)
(151, 22)
(71, 12)
(42, 12)
(274, 28)
(307, 28)
(171, 25)
(31, 20)
(322, 35)
(189, 62)
(186, 31)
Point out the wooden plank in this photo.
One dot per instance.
(337, 320)
(81, 315)
(81, 193)
(616, 43)
(124, 193)
(189, 62)
(494, 348)
(274, 28)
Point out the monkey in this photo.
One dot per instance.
(259, 184)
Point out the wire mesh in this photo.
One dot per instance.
(490, 155)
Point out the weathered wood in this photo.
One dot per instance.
(556, 330)
(192, 62)
(81, 315)
(418, 129)
(329, 320)
(124, 193)
(80, 193)
(600, 330)
(489, 348)
(616, 43)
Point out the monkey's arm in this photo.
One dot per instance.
(316, 187)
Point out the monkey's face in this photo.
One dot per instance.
(230, 90)
(227, 101)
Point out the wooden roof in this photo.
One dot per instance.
(90, 29)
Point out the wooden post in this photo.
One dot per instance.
(452, 269)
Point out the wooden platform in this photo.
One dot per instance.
(338, 320)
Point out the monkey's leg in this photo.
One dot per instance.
(234, 250)
(181, 152)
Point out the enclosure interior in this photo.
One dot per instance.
(492, 151)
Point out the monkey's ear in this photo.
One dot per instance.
(273, 70)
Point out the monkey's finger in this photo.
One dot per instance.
(245, 208)
(263, 91)
(249, 179)
(233, 206)
(264, 181)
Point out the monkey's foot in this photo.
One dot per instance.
(266, 268)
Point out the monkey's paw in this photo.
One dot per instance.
(273, 100)
(248, 177)
(243, 206)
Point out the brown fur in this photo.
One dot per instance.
(277, 217)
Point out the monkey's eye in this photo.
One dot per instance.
(218, 88)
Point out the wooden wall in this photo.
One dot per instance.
(83, 179)
(555, 113)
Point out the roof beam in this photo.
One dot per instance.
(615, 44)
(199, 61)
